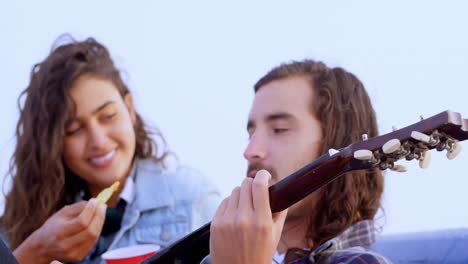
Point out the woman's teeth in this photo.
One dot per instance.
(103, 159)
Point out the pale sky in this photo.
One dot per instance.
(191, 66)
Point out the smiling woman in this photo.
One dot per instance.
(99, 141)
(78, 133)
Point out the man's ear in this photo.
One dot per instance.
(128, 99)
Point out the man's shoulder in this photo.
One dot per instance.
(357, 257)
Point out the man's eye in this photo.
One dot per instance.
(279, 130)
(249, 133)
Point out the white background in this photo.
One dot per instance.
(191, 66)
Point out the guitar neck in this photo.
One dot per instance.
(195, 246)
(308, 179)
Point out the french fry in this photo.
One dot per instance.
(105, 194)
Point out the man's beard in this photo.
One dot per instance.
(258, 166)
(303, 209)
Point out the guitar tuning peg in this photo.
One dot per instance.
(454, 151)
(399, 168)
(421, 137)
(363, 154)
(425, 159)
(332, 152)
(391, 146)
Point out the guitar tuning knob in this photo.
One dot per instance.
(363, 154)
(391, 146)
(332, 152)
(454, 151)
(425, 159)
(421, 137)
(399, 168)
(364, 137)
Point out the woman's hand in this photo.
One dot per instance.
(243, 229)
(68, 235)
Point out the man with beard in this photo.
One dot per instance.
(300, 111)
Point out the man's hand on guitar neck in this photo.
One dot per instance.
(243, 229)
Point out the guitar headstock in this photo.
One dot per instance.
(441, 132)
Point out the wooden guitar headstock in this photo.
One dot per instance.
(441, 132)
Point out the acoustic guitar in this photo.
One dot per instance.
(442, 132)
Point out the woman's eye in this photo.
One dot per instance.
(109, 116)
(73, 130)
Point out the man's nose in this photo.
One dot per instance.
(256, 150)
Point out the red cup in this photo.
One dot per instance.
(130, 255)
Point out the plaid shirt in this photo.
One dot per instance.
(353, 246)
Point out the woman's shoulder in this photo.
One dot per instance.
(182, 181)
(188, 180)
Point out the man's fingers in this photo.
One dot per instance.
(233, 203)
(261, 199)
(245, 199)
(278, 224)
(280, 216)
(221, 208)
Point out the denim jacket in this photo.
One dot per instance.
(166, 206)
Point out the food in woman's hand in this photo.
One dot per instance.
(106, 194)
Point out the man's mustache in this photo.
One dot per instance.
(258, 166)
